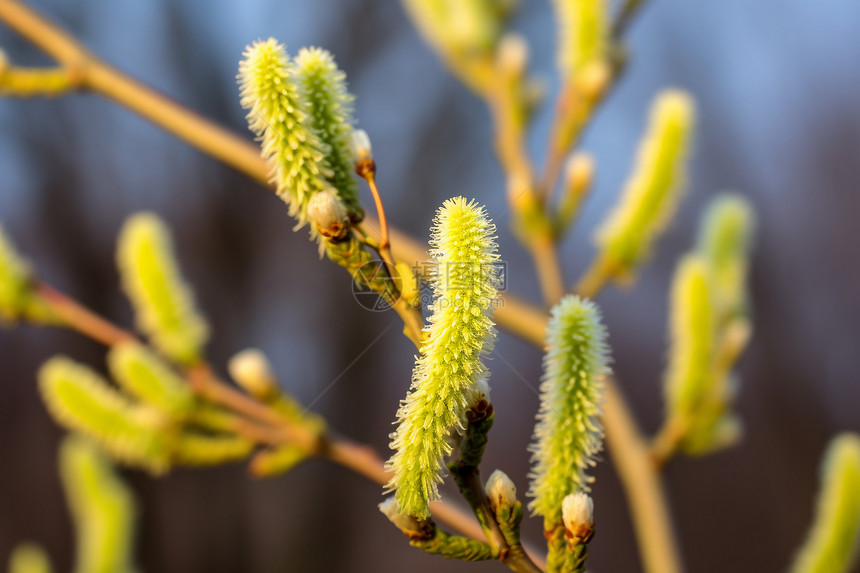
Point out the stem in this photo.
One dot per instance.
(81, 319)
(658, 547)
(625, 17)
(545, 256)
(594, 279)
(665, 444)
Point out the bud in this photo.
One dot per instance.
(359, 146)
(578, 177)
(579, 171)
(362, 153)
(501, 490)
(410, 526)
(329, 214)
(480, 392)
(251, 370)
(513, 54)
(577, 513)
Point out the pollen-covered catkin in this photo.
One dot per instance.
(102, 508)
(163, 304)
(460, 333)
(583, 32)
(652, 192)
(330, 112)
(834, 539)
(81, 400)
(279, 116)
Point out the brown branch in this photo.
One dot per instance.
(632, 458)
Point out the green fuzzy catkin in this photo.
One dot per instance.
(163, 303)
(81, 400)
(833, 541)
(29, 558)
(724, 240)
(458, 28)
(460, 332)
(277, 460)
(102, 508)
(196, 449)
(652, 192)
(583, 33)
(145, 376)
(568, 433)
(279, 116)
(330, 110)
(698, 391)
(691, 332)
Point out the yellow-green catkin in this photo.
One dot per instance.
(724, 241)
(698, 392)
(465, 33)
(458, 28)
(583, 34)
(464, 252)
(29, 558)
(145, 376)
(163, 303)
(652, 192)
(196, 449)
(330, 109)
(833, 540)
(81, 400)
(568, 433)
(277, 460)
(102, 507)
(279, 116)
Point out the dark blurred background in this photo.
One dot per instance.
(778, 91)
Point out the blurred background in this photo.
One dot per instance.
(778, 91)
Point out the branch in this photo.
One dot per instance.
(632, 458)
(520, 318)
(269, 427)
